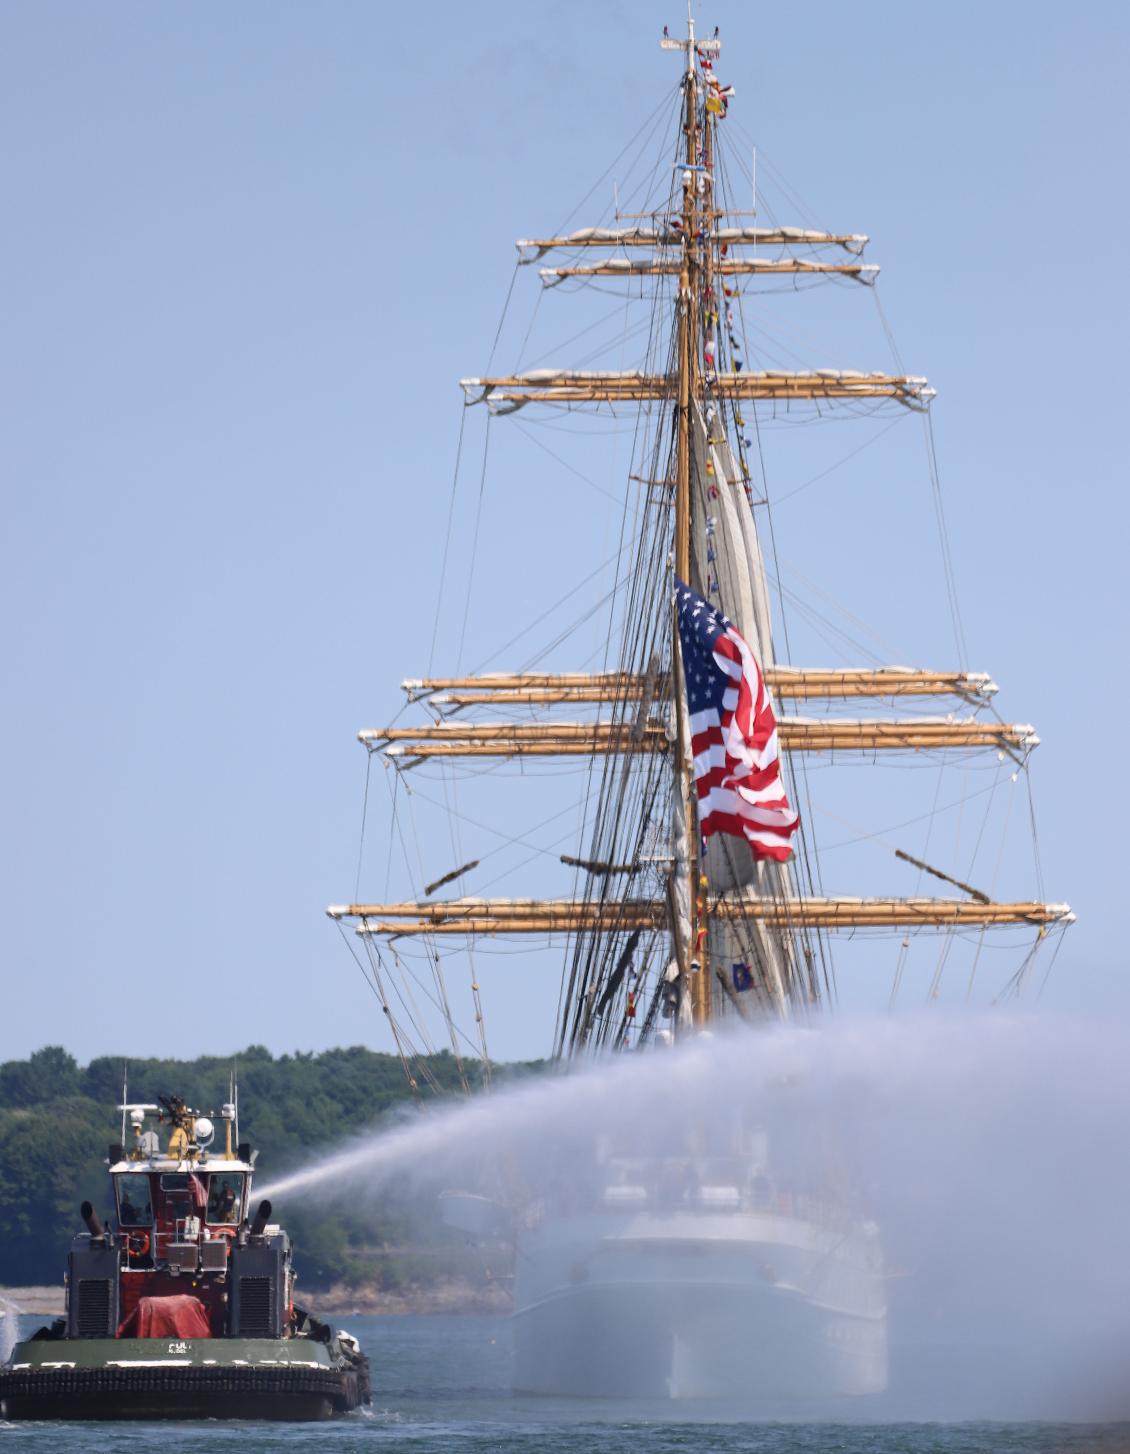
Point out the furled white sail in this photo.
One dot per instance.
(531, 249)
(729, 570)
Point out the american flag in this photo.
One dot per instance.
(737, 766)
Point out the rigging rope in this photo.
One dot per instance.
(626, 805)
(474, 544)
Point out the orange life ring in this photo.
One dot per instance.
(232, 1232)
(137, 1244)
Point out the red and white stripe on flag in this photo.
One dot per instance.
(737, 766)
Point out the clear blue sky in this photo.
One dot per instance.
(247, 252)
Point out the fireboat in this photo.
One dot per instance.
(183, 1306)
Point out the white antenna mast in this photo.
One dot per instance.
(690, 45)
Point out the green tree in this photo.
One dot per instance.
(50, 1073)
(58, 1119)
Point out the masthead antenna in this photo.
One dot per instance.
(690, 45)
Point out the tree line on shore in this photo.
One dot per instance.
(58, 1120)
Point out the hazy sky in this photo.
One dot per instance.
(249, 250)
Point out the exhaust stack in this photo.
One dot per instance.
(93, 1221)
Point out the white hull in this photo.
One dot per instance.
(757, 1306)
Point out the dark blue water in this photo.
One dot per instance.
(441, 1384)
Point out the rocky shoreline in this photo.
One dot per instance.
(454, 1295)
(39, 1302)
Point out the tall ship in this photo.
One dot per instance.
(697, 899)
(181, 1303)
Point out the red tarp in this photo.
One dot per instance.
(179, 1316)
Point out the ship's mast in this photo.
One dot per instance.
(688, 353)
(696, 215)
(689, 240)
(688, 313)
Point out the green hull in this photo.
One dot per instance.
(162, 1378)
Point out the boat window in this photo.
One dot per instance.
(174, 1182)
(134, 1206)
(225, 1197)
